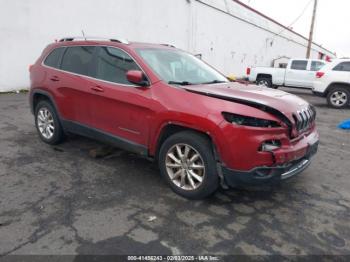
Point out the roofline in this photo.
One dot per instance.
(92, 38)
(278, 23)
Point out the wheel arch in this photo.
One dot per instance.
(170, 129)
(265, 76)
(261, 75)
(336, 84)
(38, 95)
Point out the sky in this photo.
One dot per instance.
(332, 29)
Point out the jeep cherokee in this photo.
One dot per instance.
(166, 104)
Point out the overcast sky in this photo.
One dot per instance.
(332, 29)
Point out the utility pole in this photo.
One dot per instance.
(308, 53)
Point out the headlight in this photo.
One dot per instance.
(249, 121)
(270, 145)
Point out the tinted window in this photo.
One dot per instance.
(316, 65)
(77, 59)
(344, 66)
(299, 65)
(112, 65)
(54, 57)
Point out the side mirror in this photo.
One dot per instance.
(137, 77)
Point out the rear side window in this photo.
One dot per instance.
(299, 65)
(78, 59)
(53, 59)
(316, 65)
(344, 66)
(112, 65)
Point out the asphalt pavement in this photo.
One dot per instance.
(58, 200)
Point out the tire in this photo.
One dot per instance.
(47, 123)
(264, 81)
(338, 97)
(205, 181)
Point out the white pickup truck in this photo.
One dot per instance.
(299, 73)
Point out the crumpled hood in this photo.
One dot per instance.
(253, 95)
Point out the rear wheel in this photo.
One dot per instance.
(338, 97)
(187, 163)
(48, 124)
(264, 81)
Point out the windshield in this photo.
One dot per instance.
(178, 67)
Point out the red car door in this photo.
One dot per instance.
(119, 108)
(73, 93)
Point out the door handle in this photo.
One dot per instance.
(55, 78)
(97, 88)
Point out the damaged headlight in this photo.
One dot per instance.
(270, 145)
(249, 121)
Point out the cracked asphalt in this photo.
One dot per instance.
(59, 200)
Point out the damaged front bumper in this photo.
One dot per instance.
(268, 175)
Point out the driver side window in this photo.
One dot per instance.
(112, 65)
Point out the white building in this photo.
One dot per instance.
(228, 34)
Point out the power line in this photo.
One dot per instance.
(288, 27)
(302, 13)
(258, 25)
(295, 20)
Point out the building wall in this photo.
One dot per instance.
(228, 35)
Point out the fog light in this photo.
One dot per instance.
(270, 145)
(263, 173)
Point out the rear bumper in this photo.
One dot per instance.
(270, 175)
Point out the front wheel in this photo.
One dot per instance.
(187, 163)
(338, 97)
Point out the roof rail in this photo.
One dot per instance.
(89, 38)
(169, 45)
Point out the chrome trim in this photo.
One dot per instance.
(304, 118)
(299, 168)
(90, 77)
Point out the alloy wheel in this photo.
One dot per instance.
(339, 98)
(185, 166)
(45, 123)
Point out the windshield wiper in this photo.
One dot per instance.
(214, 82)
(181, 83)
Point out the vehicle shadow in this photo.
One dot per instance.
(141, 174)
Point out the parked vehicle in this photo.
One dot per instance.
(166, 104)
(299, 73)
(333, 82)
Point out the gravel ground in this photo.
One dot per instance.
(59, 200)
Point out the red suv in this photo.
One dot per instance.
(166, 104)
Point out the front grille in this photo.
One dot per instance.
(304, 118)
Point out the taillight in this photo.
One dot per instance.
(319, 74)
(248, 71)
(30, 67)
